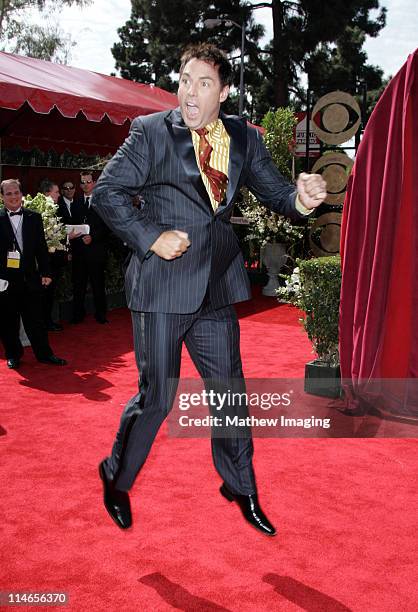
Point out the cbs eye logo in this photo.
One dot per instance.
(340, 117)
(324, 235)
(335, 169)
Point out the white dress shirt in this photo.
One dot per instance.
(16, 221)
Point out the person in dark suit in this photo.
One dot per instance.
(65, 202)
(186, 268)
(67, 206)
(57, 262)
(89, 254)
(24, 264)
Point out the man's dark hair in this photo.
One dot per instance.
(207, 52)
(65, 183)
(87, 173)
(7, 182)
(46, 186)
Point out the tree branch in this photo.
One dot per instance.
(261, 65)
(261, 5)
(293, 5)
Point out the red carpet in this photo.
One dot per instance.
(345, 508)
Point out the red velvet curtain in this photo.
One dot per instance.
(379, 249)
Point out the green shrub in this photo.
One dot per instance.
(265, 225)
(320, 286)
(315, 288)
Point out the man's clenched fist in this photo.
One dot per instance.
(170, 245)
(312, 189)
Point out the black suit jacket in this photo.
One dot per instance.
(62, 212)
(34, 261)
(97, 249)
(158, 160)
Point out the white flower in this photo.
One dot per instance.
(268, 226)
(55, 233)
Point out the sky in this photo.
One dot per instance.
(95, 30)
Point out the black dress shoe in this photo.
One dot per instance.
(53, 360)
(76, 320)
(54, 327)
(117, 503)
(101, 320)
(251, 510)
(13, 364)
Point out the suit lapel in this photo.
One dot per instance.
(183, 143)
(184, 146)
(63, 212)
(236, 129)
(26, 221)
(8, 229)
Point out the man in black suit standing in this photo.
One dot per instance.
(187, 269)
(57, 262)
(65, 202)
(89, 254)
(24, 264)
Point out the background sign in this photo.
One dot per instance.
(300, 138)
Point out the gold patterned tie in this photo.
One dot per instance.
(217, 179)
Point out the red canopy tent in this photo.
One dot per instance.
(52, 106)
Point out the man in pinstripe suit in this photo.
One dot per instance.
(186, 268)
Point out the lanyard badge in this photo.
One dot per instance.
(13, 259)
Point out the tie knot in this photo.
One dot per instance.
(19, 212)
(201, 131)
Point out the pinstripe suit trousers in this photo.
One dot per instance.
(212, 339)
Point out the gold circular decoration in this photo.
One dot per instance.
(335, 177)
(336, 98)
(335, 118)
(336, 168)
(329, 238)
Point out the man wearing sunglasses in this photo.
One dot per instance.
(89, 253)
(65, 202)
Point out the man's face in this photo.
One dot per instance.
(68, 190)
(87, 184)
(12, 197)
(54, 193)
(200, 93)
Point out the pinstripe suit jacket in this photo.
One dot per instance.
(158, 160)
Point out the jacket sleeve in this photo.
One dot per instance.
(42, 254)
(266, 182)
(123, 177)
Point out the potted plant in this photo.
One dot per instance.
(314, 286)
(274, 236)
